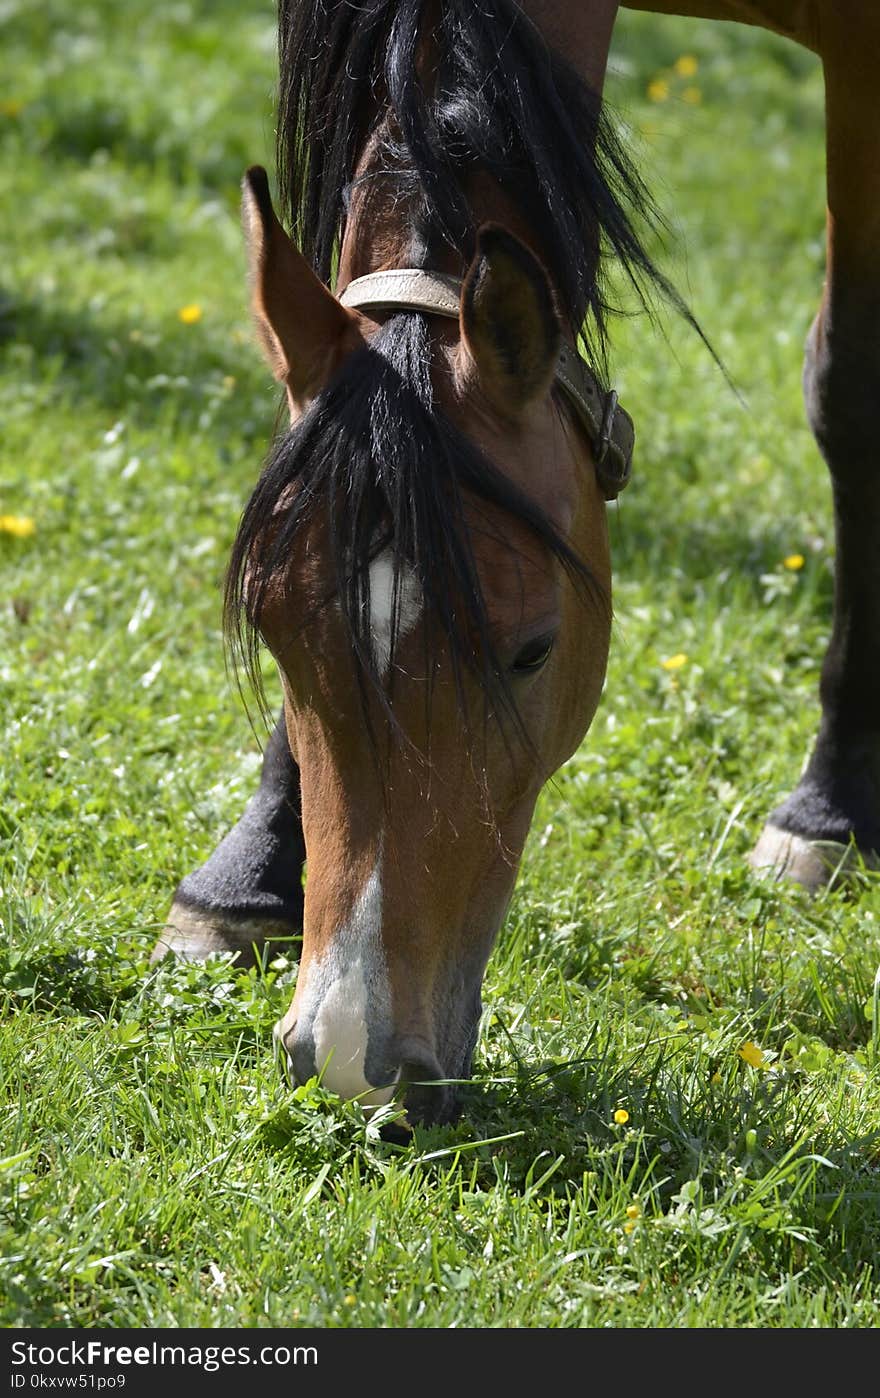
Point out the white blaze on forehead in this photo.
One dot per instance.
(347, 988)
(382, 599)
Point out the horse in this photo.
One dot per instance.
(426, 552)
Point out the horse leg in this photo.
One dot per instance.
(835, 807)
(249, 893)
(836, 804)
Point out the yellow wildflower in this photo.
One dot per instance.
(674, 662)
(633, 1211)
(11, 107)
(715, 1078)
(621, 1116)
(18, 525)
(794, 562)
(189, 314)
(629, 1225)
(686, 66)
(693, 95)
(752, 1054)
(658, 90)
(350, 1299)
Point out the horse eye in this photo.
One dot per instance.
(533, 655)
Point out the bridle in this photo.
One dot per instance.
(608, 427)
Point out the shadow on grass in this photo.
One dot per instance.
(142, 371)
(79, 129)
(553, 1137)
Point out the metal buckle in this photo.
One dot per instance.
(609, 410)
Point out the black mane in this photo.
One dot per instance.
(373, 454)
(502, 100)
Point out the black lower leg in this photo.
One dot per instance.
(250, 890)
(838, 797)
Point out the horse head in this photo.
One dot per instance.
(426, 558)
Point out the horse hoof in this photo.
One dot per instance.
(815, 864)
(194, 935)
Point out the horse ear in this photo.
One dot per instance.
(510, 329)
(300, 323)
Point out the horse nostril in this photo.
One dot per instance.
(426, 1097)
(299, 1055)
(418, 1062)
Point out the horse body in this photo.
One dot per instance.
(442, 648)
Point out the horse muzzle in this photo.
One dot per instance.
(376, 1069)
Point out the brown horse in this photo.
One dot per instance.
(426, 553)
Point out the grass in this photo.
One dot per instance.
(155, 1169)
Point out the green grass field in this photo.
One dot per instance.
(155, 1168)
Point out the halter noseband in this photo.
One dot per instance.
(608, 427)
